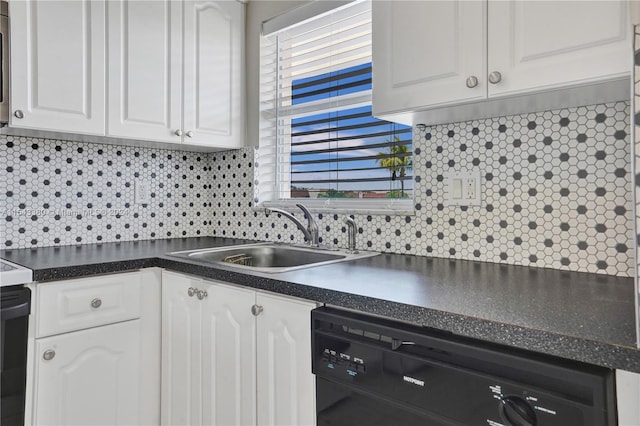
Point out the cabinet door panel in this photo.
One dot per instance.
(58, 65)
(423, 52)
(286, 385)
(92, 379)
(228, 356)
(213, 98)
(181, 351)
(540, 44)
(145, 69)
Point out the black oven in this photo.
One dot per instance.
(375, 372)
(14, 315)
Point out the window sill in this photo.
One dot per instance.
(333, 205)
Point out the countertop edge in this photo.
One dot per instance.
(519, 337)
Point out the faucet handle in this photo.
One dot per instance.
(351, 234)
(312, 226)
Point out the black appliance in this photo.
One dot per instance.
(372, 371)
(15, 308)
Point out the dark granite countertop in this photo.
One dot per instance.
(574, 315)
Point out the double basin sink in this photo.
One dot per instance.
(270, 257)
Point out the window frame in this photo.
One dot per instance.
(267, 169)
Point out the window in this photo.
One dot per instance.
(319, 142)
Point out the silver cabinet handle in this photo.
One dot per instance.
(178, 132)
(96, 303)
(472, 81)
(18, 114)
(256, 310)
(201, 294)
(191, 291)
(495, 77)
(189, 134)
(49, 354)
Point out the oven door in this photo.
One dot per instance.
(14, 319)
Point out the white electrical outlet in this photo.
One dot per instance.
(142, 192)
(463, 189)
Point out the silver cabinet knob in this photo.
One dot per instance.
(49, 354)
(495, 77)
(18, 114)
(96, 303)
(201, 294)
(256, 310)
(472, 81)
(189, 134)
(178, 132)
(191, 291)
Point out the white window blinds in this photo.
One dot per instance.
(319, 141)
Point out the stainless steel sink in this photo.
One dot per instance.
(269, 257)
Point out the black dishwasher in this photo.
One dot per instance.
(372, 371)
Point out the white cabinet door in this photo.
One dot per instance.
(228, 356)
(145, 70)
(181, 351)
(537, 45)
(424, 52)
(286, 385)
(213, 73)
(58, 65)
(91, 379)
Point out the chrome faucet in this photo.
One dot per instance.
(351, 234)
(310, 231)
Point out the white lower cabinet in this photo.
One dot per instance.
(89, 377)
(223, 365)
(94, 351)
(286, 385)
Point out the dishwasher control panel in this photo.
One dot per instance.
(352, 365)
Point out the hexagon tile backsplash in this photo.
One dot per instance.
(555, 193)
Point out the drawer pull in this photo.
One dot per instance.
(201, 294)
(96, 303)
(191, 291)
(49, 354)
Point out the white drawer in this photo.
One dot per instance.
(87, 302)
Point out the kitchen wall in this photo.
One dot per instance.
(556, 193)
(59, 192)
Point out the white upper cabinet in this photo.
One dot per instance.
(58, 65)
(408, 69)
(175, 71)
(444, 61)
(548, 44)
(145, 70)
(213, 73)
(152, 70)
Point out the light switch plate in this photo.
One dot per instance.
(142, 193)
(463, 188)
